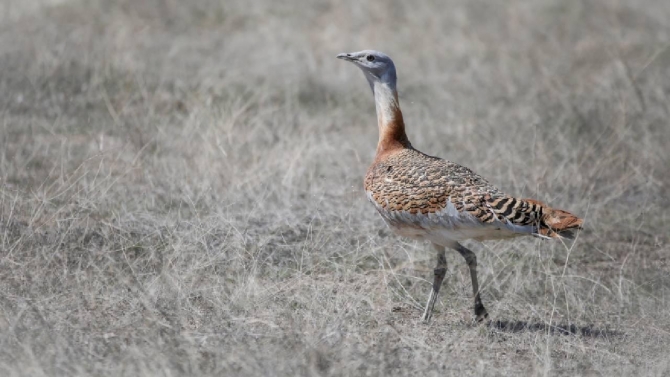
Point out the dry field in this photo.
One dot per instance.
(181, 187)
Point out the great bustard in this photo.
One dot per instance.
(428, 198)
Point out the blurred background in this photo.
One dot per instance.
(181, 186)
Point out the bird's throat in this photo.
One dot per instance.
(389, 118)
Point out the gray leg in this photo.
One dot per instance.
(439, 272)
(471, 260)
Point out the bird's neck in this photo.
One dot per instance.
(389, 118)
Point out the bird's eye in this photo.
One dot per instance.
(370, 58)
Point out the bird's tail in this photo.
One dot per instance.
(556, 223)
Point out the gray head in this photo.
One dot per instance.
(376, 66)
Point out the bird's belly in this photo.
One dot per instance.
(442, 235)
(408, 231)
(444, 228)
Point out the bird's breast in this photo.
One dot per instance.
(394, 188)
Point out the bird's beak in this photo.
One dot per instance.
(346, 56)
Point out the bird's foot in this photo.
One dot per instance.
(480, 313)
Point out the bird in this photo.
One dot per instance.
(431, 199)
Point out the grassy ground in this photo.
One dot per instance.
(181, 187)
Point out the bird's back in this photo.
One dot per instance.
(426, 197)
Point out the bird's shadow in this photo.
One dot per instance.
(558, 329)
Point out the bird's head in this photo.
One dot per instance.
(376, 65)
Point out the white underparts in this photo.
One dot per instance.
(448, 225)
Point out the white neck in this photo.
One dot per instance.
(386, 102)
(389, 117)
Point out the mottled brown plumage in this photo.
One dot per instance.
(410, 181)
(428, 198)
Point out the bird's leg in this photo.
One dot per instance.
(471, 260)
(439, 272)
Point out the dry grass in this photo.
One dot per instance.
(180, 187)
